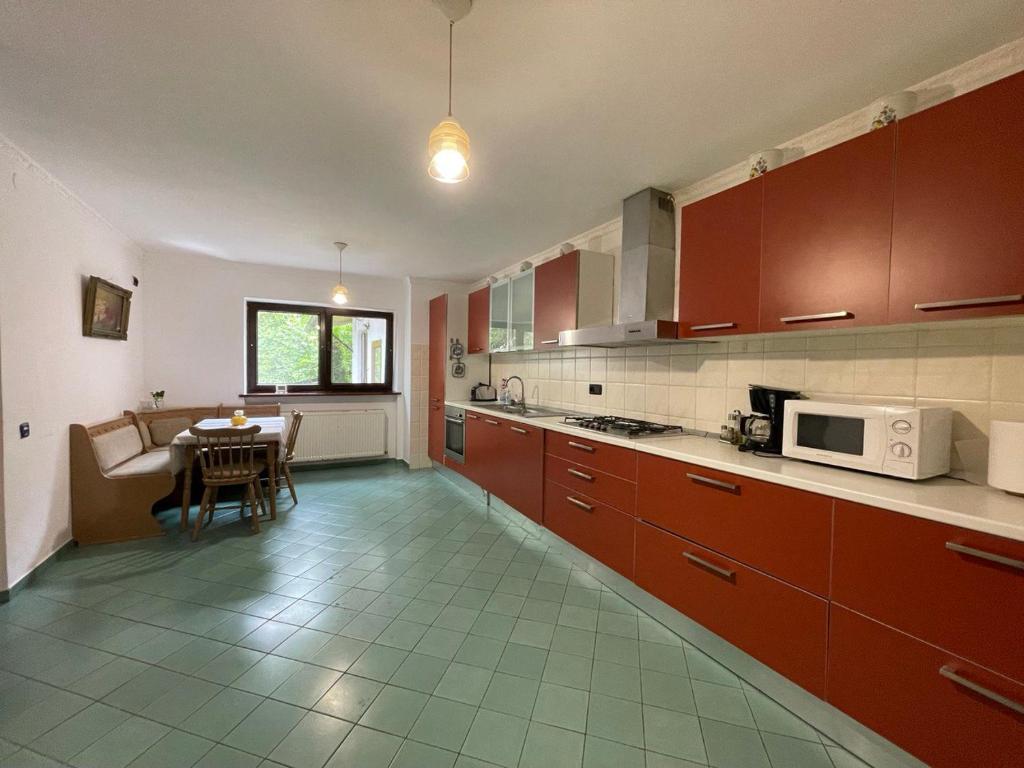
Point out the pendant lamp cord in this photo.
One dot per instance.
(451, 28)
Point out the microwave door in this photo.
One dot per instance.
(852, 441)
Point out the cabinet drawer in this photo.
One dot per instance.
(779, 530)
(600, 531)
(612, 459)
(782, 626)
(579, 478)
(933, 581)
(892, 683)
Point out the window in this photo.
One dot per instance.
(318, 349)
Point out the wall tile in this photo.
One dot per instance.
(657, 370)
(683, 371)
(634, 397)
(745, 368)
(656, 399)
(712, 370)
(1008, 373)
(830, 371)
(682, 402)
(889, 372)
(784, 369)
(954, 373)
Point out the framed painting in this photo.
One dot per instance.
(106, 310)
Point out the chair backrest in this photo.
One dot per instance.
(226, 453)
(224, 410)
(293, 435)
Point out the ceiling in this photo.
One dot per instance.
(260, 130)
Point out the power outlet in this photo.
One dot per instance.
(596, 389)
(23, 429)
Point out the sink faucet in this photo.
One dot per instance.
(522, 391)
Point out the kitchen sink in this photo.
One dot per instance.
(532, 411)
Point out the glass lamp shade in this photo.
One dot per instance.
(340, 294)
(448, 148)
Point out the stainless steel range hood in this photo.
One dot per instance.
(646, 284)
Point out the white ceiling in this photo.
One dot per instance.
(263, 130)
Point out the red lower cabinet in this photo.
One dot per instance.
(780, 625)
(933, 704)
(598, 529)
(521, 469)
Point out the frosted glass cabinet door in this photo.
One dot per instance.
(499, 335)
(521, 311)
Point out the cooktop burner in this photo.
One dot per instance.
(622, 427)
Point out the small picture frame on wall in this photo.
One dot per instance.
(105, 310)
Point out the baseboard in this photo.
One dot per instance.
(308, 466)
(838, 726)
(8, 594)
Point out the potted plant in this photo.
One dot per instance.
(158, 398)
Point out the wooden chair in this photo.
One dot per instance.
(288, 453)
(227, 457)
(225, 410)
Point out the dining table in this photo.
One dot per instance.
(272, 435)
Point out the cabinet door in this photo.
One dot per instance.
(900, 687)
(475, 464)
(479, 321)
(498, 336)
(520, 313)
(554, 295)
(958, 220)
(597, 529)
(827, 235)
(524, 453)
(720, 262)
(437, 360)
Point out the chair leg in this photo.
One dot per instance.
(213, 504)
(291, 483)
(260, 497)
(251, 493)
(199, 517)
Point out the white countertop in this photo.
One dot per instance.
(943, 499)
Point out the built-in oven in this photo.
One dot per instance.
(455, 433)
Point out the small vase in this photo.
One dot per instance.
(157, 403)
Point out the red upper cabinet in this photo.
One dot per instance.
(720, 262)
(827, 235)
(555, 287)
(958, 221)
(437, 361)
(478, 328)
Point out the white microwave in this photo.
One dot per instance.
(901, 441)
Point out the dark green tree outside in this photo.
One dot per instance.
(289, 348)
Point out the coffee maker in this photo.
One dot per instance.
(762, 429)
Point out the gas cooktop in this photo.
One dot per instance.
(623, 427)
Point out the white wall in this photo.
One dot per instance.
(50, 242)
(195, 329)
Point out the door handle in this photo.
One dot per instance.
(492, 421)
(712, 326)
(820, 316)
(720, 484)
(453, 420)
(951, 674)
(718, 570)
(951, 303)
(550, 341)
(581, 504)
(472, 416)
(981, 554)
(580, 475)
(581, 446)
(519, 430)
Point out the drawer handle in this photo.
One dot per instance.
(519, 430)
(950, 674)
(581, 446)
(550, 341)
(492, 421)
(820, 316)
(581, 504)
(720, 484)
(472, 416)
(969, 302)
(580, 475)
(983, 555)
(712, 326)
(718, 570)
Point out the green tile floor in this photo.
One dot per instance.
(389, 619)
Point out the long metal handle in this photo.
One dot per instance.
(472, 416)
(435, 399)
(581, 446)
(963, 549)
(712, 326)
(820, 316)
(550, 341)
(519, 430)
(580, 504)
(453, 420)
(950, 674)
(580, 475)
(725, 573)
(492, 421)
(925, 306)
(712, 482)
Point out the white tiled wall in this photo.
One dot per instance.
(977, 371)
(418, 408)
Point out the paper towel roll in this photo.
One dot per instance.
(1006, 455)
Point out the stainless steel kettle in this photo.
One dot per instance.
(483, 392)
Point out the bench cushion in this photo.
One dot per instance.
(152, 463)
(116, 447)
(162, 431)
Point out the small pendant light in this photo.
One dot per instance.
(340, 291)
(448, 145)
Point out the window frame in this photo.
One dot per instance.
(325, 317)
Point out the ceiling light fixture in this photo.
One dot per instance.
(340, 291)
(448, 145)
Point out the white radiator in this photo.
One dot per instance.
(333, 435)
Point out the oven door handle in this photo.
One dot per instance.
(454, 420)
